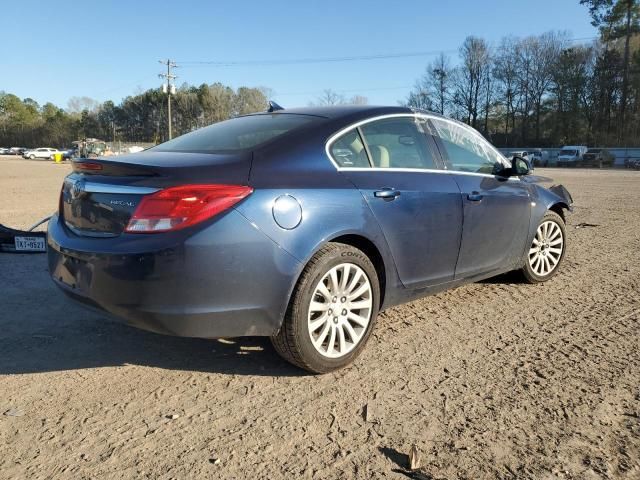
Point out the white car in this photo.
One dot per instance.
(40, 153)
(571, 156)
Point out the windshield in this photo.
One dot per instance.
(236, 134)
(569, 153)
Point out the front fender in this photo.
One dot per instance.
(543, 200)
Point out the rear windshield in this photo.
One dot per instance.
(594, 150)
(570, 153)
(240, 133)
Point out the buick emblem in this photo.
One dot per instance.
(77, 189)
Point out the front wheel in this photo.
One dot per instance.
(544, 256)
(32, 157)
(332, 311)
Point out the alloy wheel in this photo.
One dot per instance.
(546, 251)
(340, 310)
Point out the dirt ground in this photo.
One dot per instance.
(492, 380)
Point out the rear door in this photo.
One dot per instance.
(496, 208)
(393, 164)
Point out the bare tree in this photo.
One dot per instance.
(471, 77)
(329, 97)
(358, 100)
(505, 73)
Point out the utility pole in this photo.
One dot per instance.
(168, 87)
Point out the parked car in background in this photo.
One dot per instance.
(597, 157)
(300, 225)
(17, 150)
(571, 156)
(69, 153)
(46, 152)
(4, 151)
(539, 157)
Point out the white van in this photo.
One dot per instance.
(571, 155)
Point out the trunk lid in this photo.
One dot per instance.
(100, 201)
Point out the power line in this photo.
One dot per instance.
(298, 61)
(310, 60)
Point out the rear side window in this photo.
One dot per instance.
(398, 143)
(240, 133)
(349, 151)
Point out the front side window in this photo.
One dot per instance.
(398, 143)
(467, 150)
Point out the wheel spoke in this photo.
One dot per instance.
(547, 264)
(533, 250)
(342, 344)
(558, 241)
(315, 324)
(352, 333)
(323, 335)
(332, 340)
(354, 281)
(333, 278)
(360, 304)
(318, 306)
(346, 270)
(324, 291)
(556, 251)
(361, 321)
(358, 293)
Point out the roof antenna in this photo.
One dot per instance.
(274, 107)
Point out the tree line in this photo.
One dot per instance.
(545, 90)
(138, 118)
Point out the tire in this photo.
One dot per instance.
(32, 157)
(294, 340)
(541, 262)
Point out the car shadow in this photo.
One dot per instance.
(513, 277)
(43, 331)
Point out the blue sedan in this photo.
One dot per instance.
(301, 225)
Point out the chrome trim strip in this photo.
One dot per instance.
(341, 132)
(93, 187)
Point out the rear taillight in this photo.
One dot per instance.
(180, 207)
(86, 166)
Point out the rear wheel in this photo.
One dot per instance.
(544, 256)
(332, 311)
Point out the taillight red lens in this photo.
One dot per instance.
(91, 166)
(180, 207)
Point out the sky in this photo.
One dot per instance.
(54, 50)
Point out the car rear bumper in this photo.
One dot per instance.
(226, 280)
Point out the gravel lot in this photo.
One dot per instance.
(492, 380)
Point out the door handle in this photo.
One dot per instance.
(475, 196)
(387, 194)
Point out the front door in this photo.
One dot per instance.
(417, 206)
(497, 209)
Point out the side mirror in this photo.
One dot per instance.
(520, 166)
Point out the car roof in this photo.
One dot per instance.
(338, 111)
